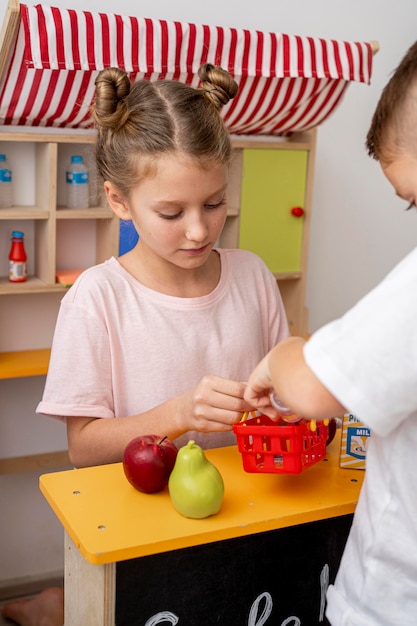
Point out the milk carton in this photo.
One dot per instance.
(354, 442)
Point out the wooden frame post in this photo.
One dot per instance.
(8, 31)
(97, 607)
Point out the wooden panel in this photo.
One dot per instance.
(9, 28)
(274, 578)
(89, 590)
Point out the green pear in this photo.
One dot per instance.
(195, 485)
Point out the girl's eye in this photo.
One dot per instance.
(412, 205)
(175, 216)
(209, 207)
(216, 205)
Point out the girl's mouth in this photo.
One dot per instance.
(194, 251)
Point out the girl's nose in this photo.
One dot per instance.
(196, 228)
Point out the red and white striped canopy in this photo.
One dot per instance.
(286, 83)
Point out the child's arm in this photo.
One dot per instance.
(284, 369)
(213, 405)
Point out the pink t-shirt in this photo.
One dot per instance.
(120, 348)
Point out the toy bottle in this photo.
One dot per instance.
(6, 192)
(17, 258)
(285, 412)
(77, 184)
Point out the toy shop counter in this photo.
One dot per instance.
(268, 525)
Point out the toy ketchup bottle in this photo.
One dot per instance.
(17, 258)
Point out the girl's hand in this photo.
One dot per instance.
(213, 405)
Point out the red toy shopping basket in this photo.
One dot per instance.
(280, 447)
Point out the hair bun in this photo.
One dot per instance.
(112, 88)
(218, 84)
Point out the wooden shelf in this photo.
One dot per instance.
(298, 141)
(53, 224)
(24, 363)
(50, 217)
(33, 134)
(35, 462)
(288, 275)
(31, 285)
(98, 213)
(24, 213)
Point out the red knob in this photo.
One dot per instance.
(297, 211)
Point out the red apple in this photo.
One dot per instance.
(148, 461)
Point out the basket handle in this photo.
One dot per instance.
(246, 414)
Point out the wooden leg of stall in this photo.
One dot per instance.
(90, 590)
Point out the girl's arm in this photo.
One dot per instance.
(214, 405)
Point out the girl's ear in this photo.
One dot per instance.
(116, 201)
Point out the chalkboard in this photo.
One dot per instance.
(277, 578)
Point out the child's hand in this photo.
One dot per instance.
(214, 405)
(258, 389)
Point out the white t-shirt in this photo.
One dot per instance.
(120, 348)
(368, 361)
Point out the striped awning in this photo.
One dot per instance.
(286, 83)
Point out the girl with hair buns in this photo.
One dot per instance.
(163, 337)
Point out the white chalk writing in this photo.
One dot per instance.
(324, 583)
(160, 618)
(257, 616)
(267, 610)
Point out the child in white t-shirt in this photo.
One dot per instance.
(160, 340)
(366, 363)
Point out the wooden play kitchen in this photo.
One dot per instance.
(278, 538)
(286, 92)
(274, 545)
(272, 121)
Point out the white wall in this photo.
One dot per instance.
(358, 229)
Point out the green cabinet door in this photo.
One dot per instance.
(273, 183)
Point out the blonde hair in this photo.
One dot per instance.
(141, 121)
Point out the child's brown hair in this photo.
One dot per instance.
(141, 121)
(393, 129)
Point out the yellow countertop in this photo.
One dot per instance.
(109, 520)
